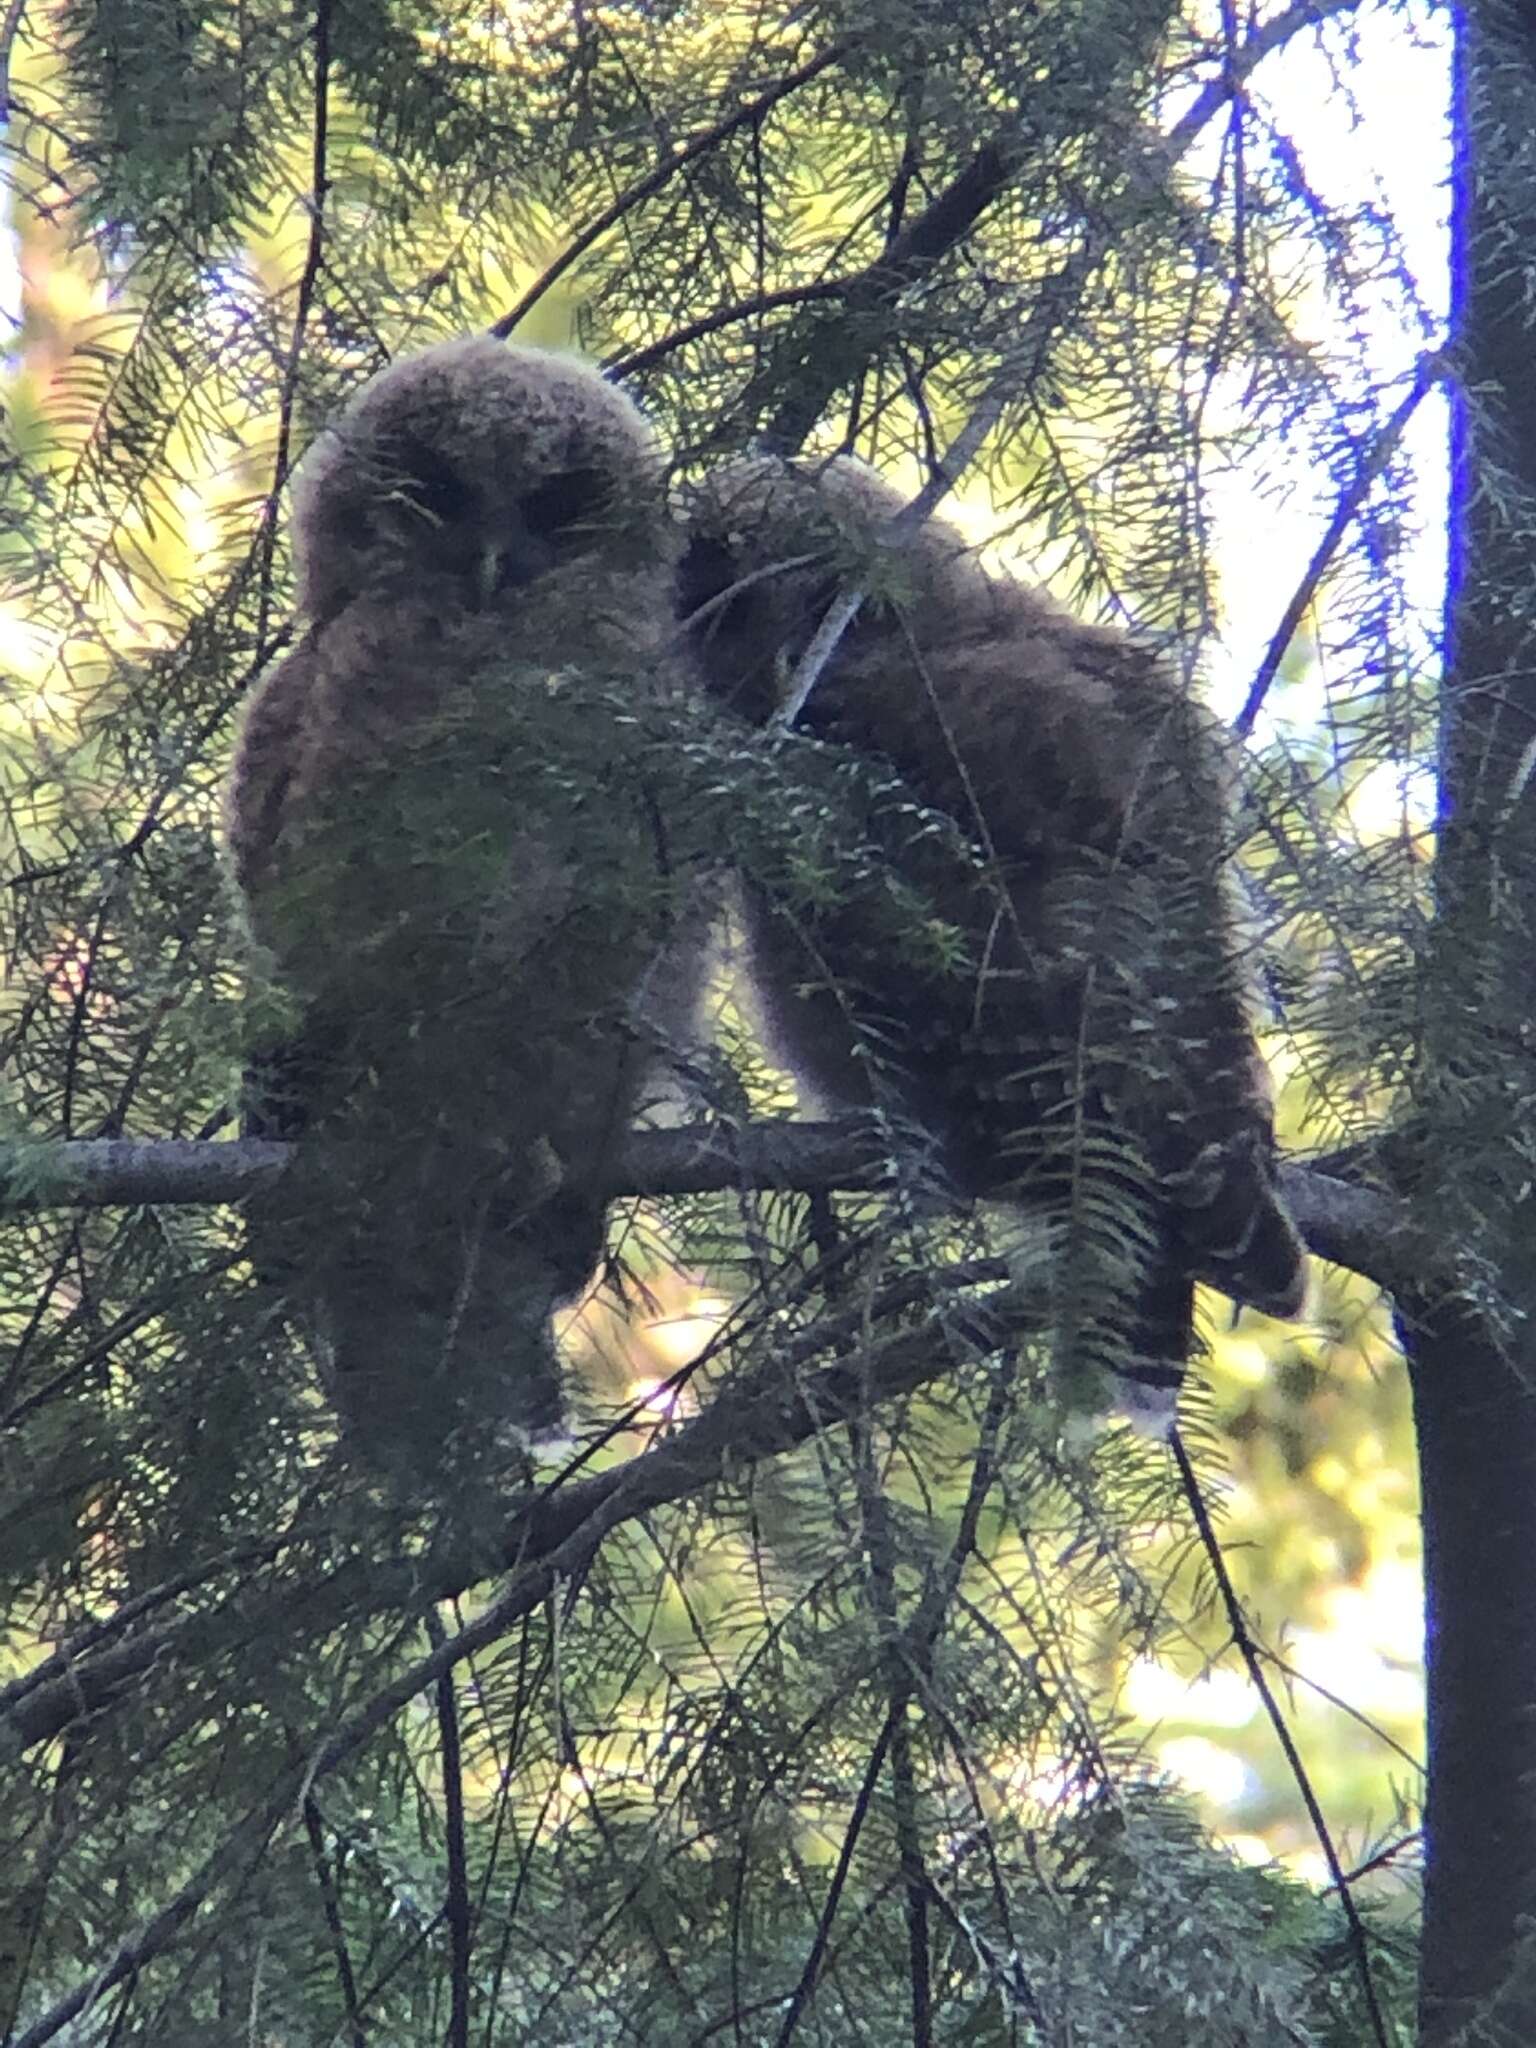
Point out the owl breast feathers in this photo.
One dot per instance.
(444, 822)
(1086, 1049)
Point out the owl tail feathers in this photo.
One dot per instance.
(1248, 1246)
(1262, 1264)
(1243, 1240)
(1233, 1227)
(1149, 1366)
(1125, 1329)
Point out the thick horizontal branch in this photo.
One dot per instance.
(1370, 1232)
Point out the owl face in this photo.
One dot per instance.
(475, 470)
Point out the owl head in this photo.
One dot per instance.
(476, 468)
(769, 543)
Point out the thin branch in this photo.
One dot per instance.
(325, 1878)
(880, 1572)
(947, 472)
(801, 1994)
(879, 1548)
(841, 613)
(104, 1173)
(309, 277)
(10, 28)
(456, 1907)
(1240, 64)
(1341, 1705)
(1248, 1649)
(1372, 463)
(631, 365)
(636, 194)
(1414, 1839)
(1006, 1963)
(921, 245)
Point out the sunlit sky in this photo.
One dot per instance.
(1390, 148)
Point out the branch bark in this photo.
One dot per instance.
(1352, 1225)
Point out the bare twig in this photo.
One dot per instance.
(456, 1907)
(841, 614)
(636, 360)
(325, 1878)
(309, 277)
(800, 1996)
(880, 1553)
(1383, 1858)
(1250, 1653)
(1372, 463)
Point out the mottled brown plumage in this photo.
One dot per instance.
(1092, 1052)
(442, 820)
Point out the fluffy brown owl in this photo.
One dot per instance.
(444, 821)
(1085, 1046)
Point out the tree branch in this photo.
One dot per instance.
(1359, 1227)
(634, 361)
(938, 229)
(949, 219)
(1248, 1649)
(768, 1409)
(1373, 461)
(549, 1530)
(634, 195)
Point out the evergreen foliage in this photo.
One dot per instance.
(780, 1703)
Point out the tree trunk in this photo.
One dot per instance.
(1473, 1354)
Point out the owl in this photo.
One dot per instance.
(445, 823)
(1081, 1048)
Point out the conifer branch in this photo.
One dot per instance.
(643, 188)
(950, 218)
(1352, 1225)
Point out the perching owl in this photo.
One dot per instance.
(443, 820)
(1087, 1050)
